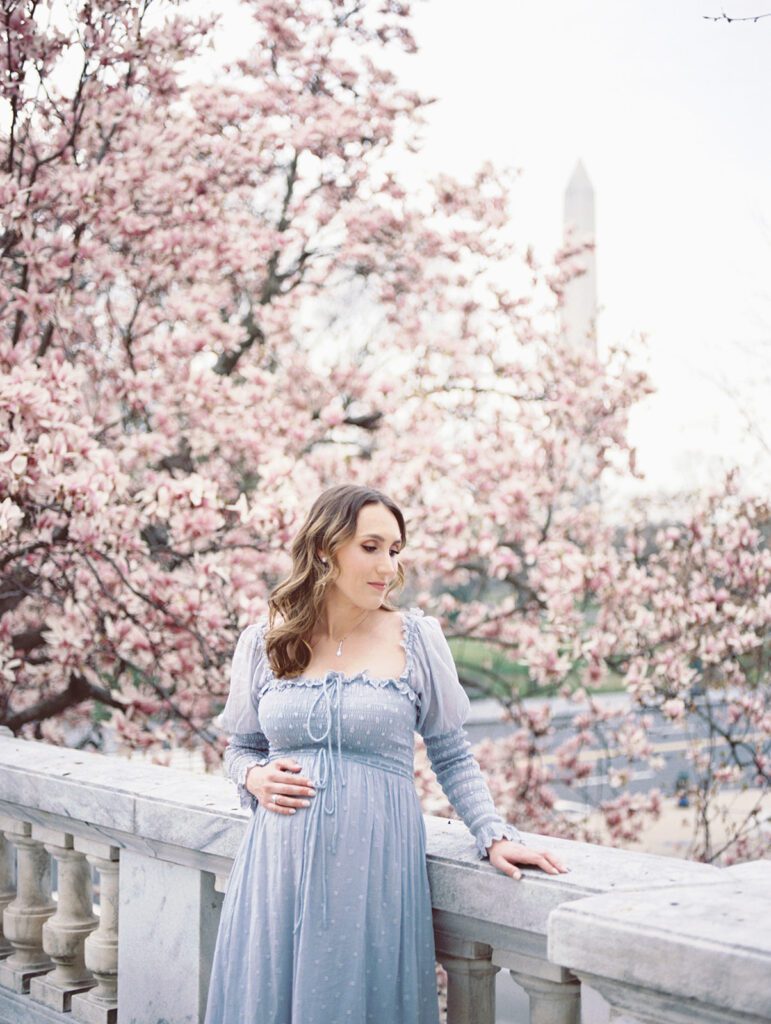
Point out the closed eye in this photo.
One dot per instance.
(371, 549)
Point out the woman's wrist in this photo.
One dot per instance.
(249, 770)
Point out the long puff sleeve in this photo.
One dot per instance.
(247, 745)
(443, 708)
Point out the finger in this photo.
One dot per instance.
(286, 801)
(505, 866)
(268, 802)
(287, 764)
(544, 862)
(559, 864)
(553, 859)
(286, 804)
(291, 790)
(301, 781)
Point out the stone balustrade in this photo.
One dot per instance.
(111, 882)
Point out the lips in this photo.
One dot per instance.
(378, 586)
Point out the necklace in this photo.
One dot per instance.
(339, 651)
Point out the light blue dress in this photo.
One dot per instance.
(327, 914)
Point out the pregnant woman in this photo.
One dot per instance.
(327, 914)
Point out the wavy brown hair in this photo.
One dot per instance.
(300, 597)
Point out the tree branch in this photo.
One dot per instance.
(78, 690)
(725, 17)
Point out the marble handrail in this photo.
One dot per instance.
(161, 842)
(694, 952)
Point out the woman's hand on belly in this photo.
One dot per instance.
(271, 780)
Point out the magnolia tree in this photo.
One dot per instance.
(217, 300)
(682, 619)
(689, 626)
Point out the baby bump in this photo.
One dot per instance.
(364, 820)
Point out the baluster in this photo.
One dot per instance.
(99, 1005)
(7, 890)
(64, 934)
(554, 992)
(470, 979)
(25, 915)
(551, 1002)
(630, 1004)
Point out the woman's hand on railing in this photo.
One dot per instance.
(505, 854)
(269, 780)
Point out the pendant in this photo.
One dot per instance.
(339, 651)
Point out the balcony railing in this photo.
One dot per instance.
(111, 882)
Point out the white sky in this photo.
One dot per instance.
(670, 114)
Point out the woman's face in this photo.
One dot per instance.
(369, 557)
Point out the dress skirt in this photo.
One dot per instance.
(327, 914)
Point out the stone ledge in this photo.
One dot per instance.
(193, 820)
(708, 943)
(606, 921)
(526, 904)
(113, 797)
(18, 1009)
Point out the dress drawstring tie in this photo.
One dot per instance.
(330, 769)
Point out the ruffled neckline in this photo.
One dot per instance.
(401, 682)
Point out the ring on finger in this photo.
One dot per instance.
(275, 798)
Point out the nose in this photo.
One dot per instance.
(385, 570)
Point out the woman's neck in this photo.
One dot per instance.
(339, 619)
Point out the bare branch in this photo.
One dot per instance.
(725, 17)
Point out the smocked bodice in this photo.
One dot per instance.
(357, 715)
(337, 721)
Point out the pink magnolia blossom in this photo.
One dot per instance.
(218, 299)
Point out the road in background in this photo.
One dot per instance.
(671, 741)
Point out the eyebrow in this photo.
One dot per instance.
(376, 536)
